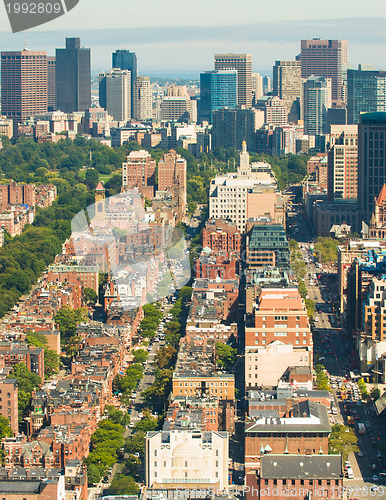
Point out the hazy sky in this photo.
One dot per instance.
(180, 37)
(129, 13)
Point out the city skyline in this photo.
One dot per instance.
(185, 52)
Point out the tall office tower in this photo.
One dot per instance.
(342, 182)
(73, 77)
(142, 99)
(23, 84)
(233, 126)
(317, 100)
(124, 59)
(243, 64)
(287, 84)
(115, 93)
(366, 92)
(267, 87)
(257, 86)
(371, 160)
(51, 86)
(218, 89)
(325, 58)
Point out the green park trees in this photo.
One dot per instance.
(342, 441)
(67, 320)
(225, 356)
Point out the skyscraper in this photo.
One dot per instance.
(267, 87)
(325, 58)
(51, 86)
(287, 84)
(371, 160)
(257, 86)
(342, 181)
(233, 126)
(142, 99)
(124, 59)
(73, 77)
(366, 92)
(243, 64)
(115, 93)
(218, 89)
(23, 84)
(317, 100)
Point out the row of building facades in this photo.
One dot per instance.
(292, 113)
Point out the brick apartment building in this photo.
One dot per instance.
(209, 266)
(9, 402)
(33, 358)
(220, 235)
(139, 171)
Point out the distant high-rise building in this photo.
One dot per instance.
(342, 181)
(115, 93)
(371, 160)
(287, 84)
(243, 64)
(179, 109)
(142, 99)
(366, 92)
(325, 58)
(267, 87)
(233, 126)
(257, 86)
(23, 84)
(218, 89)
(73, 77)
(51, 85)
(124, 59)
(317, 100)
(275, 111)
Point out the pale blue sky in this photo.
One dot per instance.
(136, 13)
(180, 37)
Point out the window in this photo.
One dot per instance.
(155, 463)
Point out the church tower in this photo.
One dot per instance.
(100, 202)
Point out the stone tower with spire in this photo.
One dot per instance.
(100, 202)
(244, 170)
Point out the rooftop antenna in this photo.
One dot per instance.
(25, 41)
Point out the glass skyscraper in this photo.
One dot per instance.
(124, 59)
(366, 92)
(218, 90)
(73, 77)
